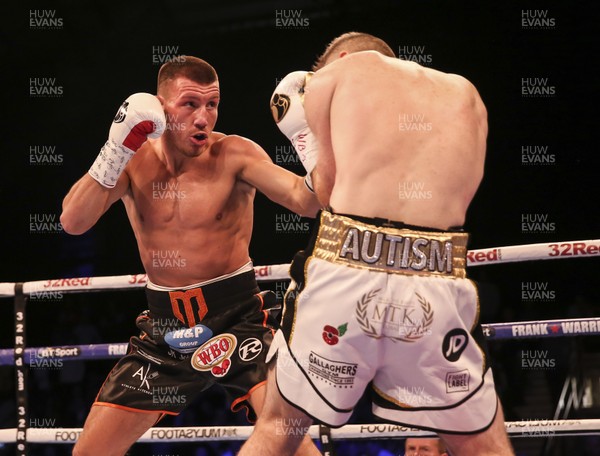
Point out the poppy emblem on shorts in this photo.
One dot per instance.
(331, 334)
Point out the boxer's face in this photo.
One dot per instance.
(422, 447)
(191, 110)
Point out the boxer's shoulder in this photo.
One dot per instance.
(461, 90)
(233, 145)
(223, 142)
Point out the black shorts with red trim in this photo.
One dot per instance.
(153, 377)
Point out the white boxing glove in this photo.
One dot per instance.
(140, 117)
(287, 107)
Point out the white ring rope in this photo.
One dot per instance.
(528, 428)
(43, 356)
(493, 255)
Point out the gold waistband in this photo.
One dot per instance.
(344, 240)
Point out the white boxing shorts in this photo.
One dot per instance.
(387, 305)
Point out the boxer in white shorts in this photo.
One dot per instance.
(399, 313)
(374, 301)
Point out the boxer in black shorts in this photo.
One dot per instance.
(189, 193)
(237, 329)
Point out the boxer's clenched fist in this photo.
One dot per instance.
(288, 111)
(140, 117)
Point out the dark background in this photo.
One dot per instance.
(104, 51)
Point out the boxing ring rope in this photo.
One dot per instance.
(479, 257)
(528, 428)
(493, 331)
(19, 355)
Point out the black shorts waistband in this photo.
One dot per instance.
(193, 305)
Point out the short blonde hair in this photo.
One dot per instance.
(353, 42)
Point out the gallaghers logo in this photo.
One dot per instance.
(214, 355)
(280, 104)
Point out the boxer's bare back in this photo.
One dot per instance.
(415, 147)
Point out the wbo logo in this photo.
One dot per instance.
(214, 355)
